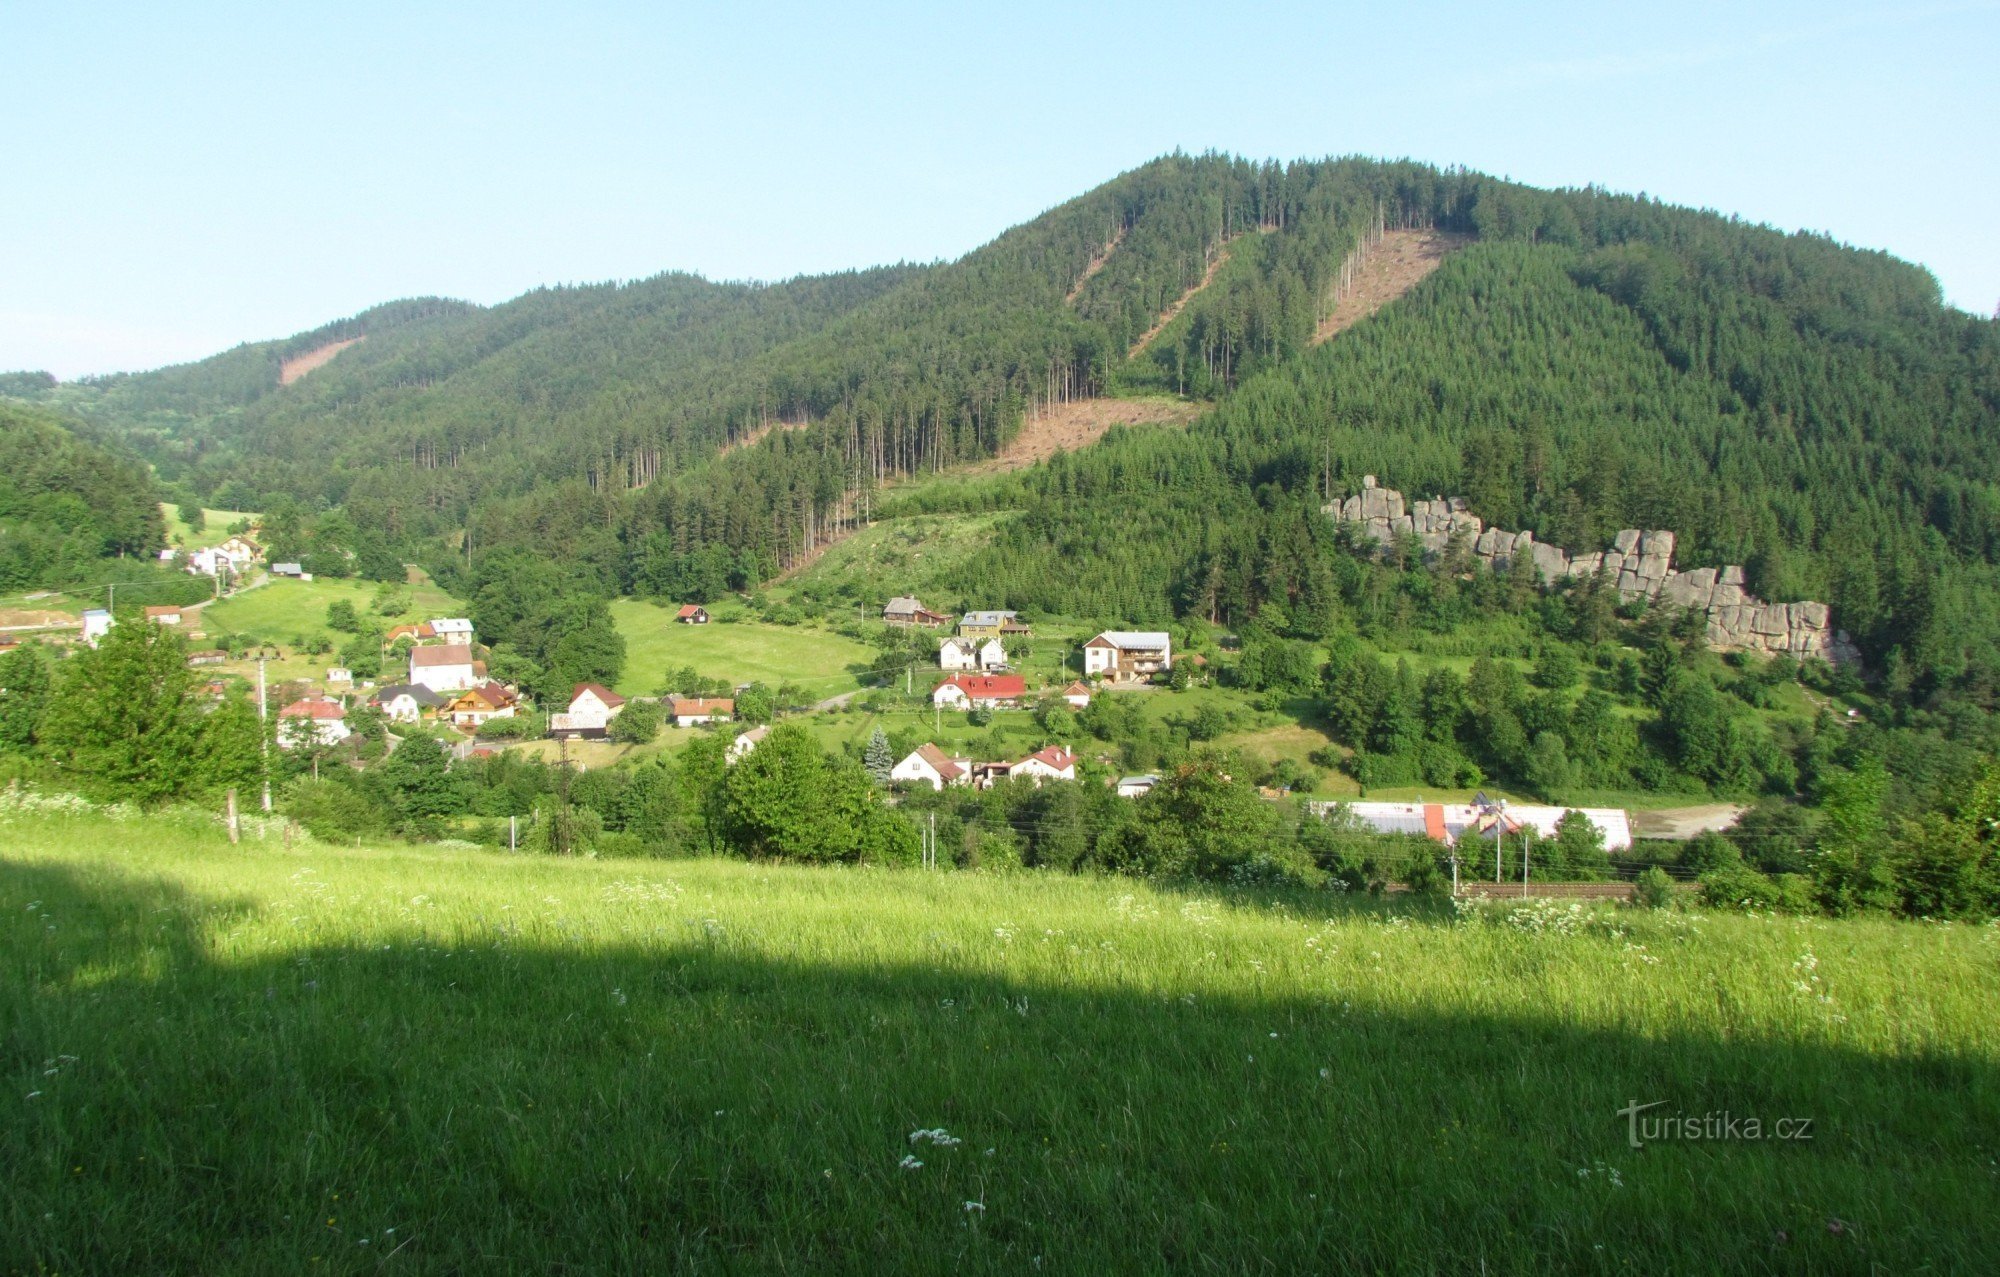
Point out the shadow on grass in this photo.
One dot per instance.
(687, 1101)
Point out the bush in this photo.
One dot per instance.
(1652, 889)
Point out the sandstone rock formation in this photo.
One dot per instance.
(1639, 563)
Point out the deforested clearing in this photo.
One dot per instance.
(454, 1060)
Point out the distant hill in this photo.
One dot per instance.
(1583, 361)
(67, 504)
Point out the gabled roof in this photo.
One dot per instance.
(1053, 756)
(689, 609)
(988, 686)
(445, 654)
(451, 625)
(312, 708)
(422, 631)
(611, 699)
(415, 691)
(163, 611)
(939, 761)
(1144, 640)
(905, 603)
(1078, 688)
(697, 706)
(490, 695)
(988, 618)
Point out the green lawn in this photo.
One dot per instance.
(366, 1059)
(740, 650)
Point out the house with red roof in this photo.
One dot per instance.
(693, 711)
(1052, 762)
(312, 721)
(592, 706)
(692, 614)
(980, 691)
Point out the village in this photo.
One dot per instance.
(433, 677)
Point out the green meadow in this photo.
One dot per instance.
(732, 648)
(309, 1058)
(284, 611)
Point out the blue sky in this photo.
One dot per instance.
(182, 177)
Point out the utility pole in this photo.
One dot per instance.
(1524, 862)
(263, 732)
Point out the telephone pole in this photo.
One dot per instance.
(264, 732)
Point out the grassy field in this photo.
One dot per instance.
(215, 526)
(361, 1060)
(285, 611)
(742, 651)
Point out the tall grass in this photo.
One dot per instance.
(322, 1059)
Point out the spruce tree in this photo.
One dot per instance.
(878, 758)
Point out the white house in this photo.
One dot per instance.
(453, 629)
(971, 654)
(958, 654)
(406, 702)
(1051, 762)
(1128, 656)
(96, 624)
(929, 765)
(1137, 786)
(311, 721)
(233, 556)
(168, 615)
(339, 674)
(445, 668)
(693, 711)
(741, 747)
(980, 691)
(1077, 695)
(592, 706)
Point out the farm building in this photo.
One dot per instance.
(692, 614)
(692, 711)
(907, 610)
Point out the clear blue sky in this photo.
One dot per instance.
(182, 177)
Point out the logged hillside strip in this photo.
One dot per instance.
(1384, 271)
(299, 365)
(1066, 427)
(1096, 264)
(1173, 312)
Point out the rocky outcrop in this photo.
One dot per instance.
(1639, 564)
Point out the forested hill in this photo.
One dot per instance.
(1593, 361)
(444, 410)
(67, 504)
(1779, 401)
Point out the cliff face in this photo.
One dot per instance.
(1639, 563)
